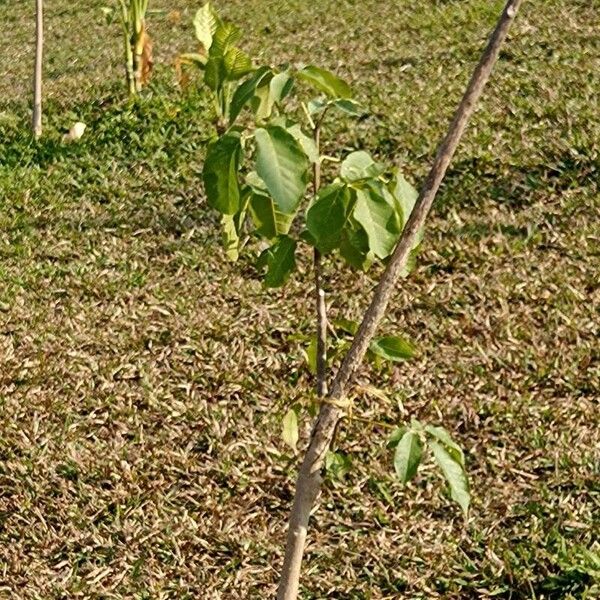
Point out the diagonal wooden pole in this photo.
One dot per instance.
(309, 476)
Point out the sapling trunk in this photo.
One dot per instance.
(309, 477)
(36, 122)
(321, 307)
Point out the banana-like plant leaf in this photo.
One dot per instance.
(220, 174)
(407, 456)
(225, 37)
(326, 82)
(206, 23)
(454, 474)
(237, 64)
(282, 165)
(392, 347)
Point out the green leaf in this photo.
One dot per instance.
(270, 92)
(406, 195)
(311, 356)
(231, 239)
(280, 86)
(282, 165)
(454, 474)
(346, 325)
(392, 348)
(327, 216)
(378, 219)
(307, 143)
(359, 165)
(408, 456)
(441, 435)
(325, 82)
(337, 465)
(220, 174)
(354, 246)
(246, 90)
(396, 436)
(350, 107)
(280, 261)
(206, 23)
(232, 225)
(289, 432)
(269, 222)
(225, 37)
(237, 64)
(216, 70)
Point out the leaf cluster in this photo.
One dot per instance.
(257, 174)
(410, 446)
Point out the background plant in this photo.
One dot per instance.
(136, 41)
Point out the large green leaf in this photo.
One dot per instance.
(327, 216)
(206, 23)
(392, 347)
(282, 165)
(454, 474)
(216, 70)
(225, 37)
(246, 90)
(378, 219)
(408, 456)
(325, 82)
(220, 174)
(269, 222)
(280, 261)
(359, 165)
(237, 64)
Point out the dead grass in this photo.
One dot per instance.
(143, 379)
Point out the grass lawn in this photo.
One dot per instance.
(143, 378)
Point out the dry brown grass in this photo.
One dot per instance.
(143, 379)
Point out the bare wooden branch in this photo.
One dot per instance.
(36, 121)
(309, 477)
